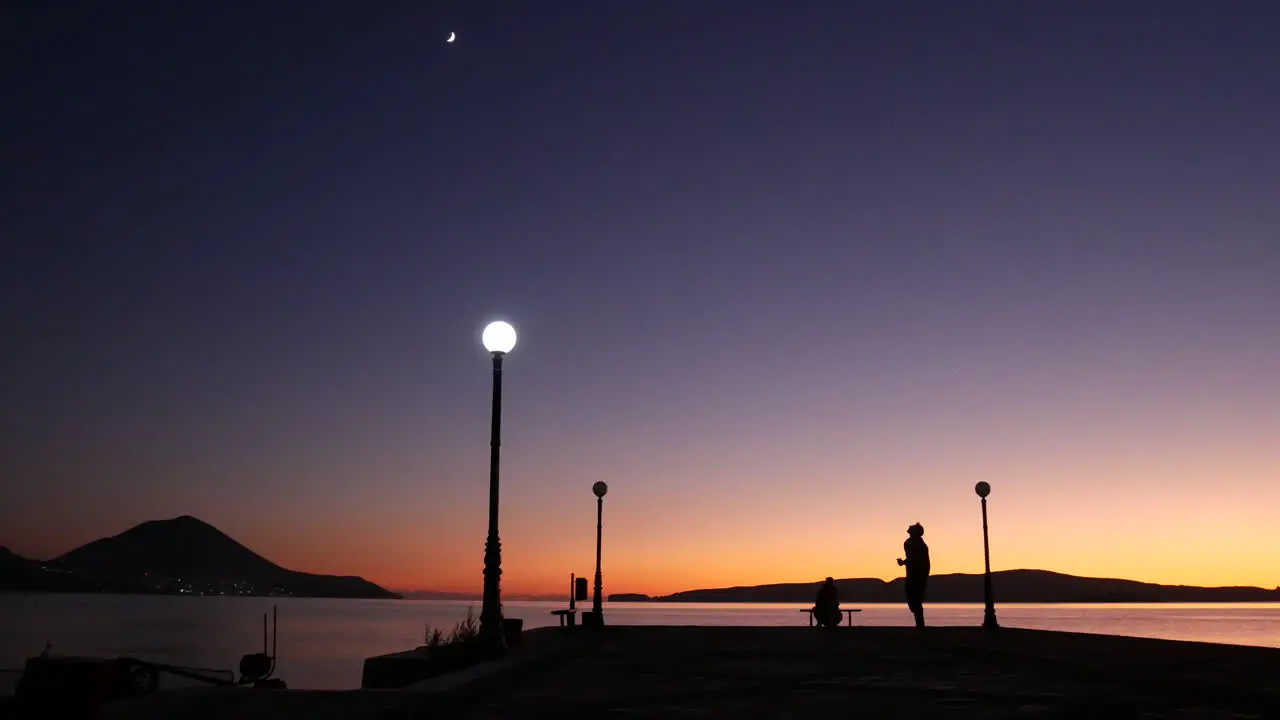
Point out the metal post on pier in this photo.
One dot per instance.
(983, 489)
(597, 611)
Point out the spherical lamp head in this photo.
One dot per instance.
(600, 488)
(983, 489)
(499, 337)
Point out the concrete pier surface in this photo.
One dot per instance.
(757, 672)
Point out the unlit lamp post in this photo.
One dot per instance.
(599, 488)
(498, 338)
(983, 489)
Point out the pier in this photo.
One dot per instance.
(759, 672)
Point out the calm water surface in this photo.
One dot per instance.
(323, 643)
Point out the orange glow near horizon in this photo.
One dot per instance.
(672, 541)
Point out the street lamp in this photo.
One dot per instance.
(983, 489)
(498, 338)
(599, 488)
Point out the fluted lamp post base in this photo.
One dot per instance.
(989, 620)
(491, 629)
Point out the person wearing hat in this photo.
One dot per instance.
(826, 609)
(917, 564)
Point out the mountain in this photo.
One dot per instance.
(629, 597)
(183, 555)
(11, 560)
(19, 574)
(1013, 586)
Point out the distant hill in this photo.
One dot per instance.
(183, 555)
(19, 574)
(1020, 586)
(629, 597)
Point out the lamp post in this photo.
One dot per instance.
(498, 338)
(599, 488)
(983, 489)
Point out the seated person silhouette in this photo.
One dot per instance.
(826, 609)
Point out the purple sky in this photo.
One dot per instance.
(815, 265)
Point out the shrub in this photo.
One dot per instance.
(432, 638)
(466, 630)
(463, 632)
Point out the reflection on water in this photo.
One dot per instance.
(323, 643)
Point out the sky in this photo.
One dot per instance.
(789, 277)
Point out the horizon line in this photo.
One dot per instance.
(469, 594)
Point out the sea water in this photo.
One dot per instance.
(322, 644)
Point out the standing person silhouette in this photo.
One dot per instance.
(917, 563)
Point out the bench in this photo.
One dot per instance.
(566, 616)
(848, 613)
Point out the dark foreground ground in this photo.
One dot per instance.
(651, 672)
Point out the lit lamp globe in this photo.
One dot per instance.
(983, 489)
(499, 337)
(600, 488)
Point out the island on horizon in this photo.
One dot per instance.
(179, 556)
(1011, 586)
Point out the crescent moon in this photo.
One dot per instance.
(452, 37)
